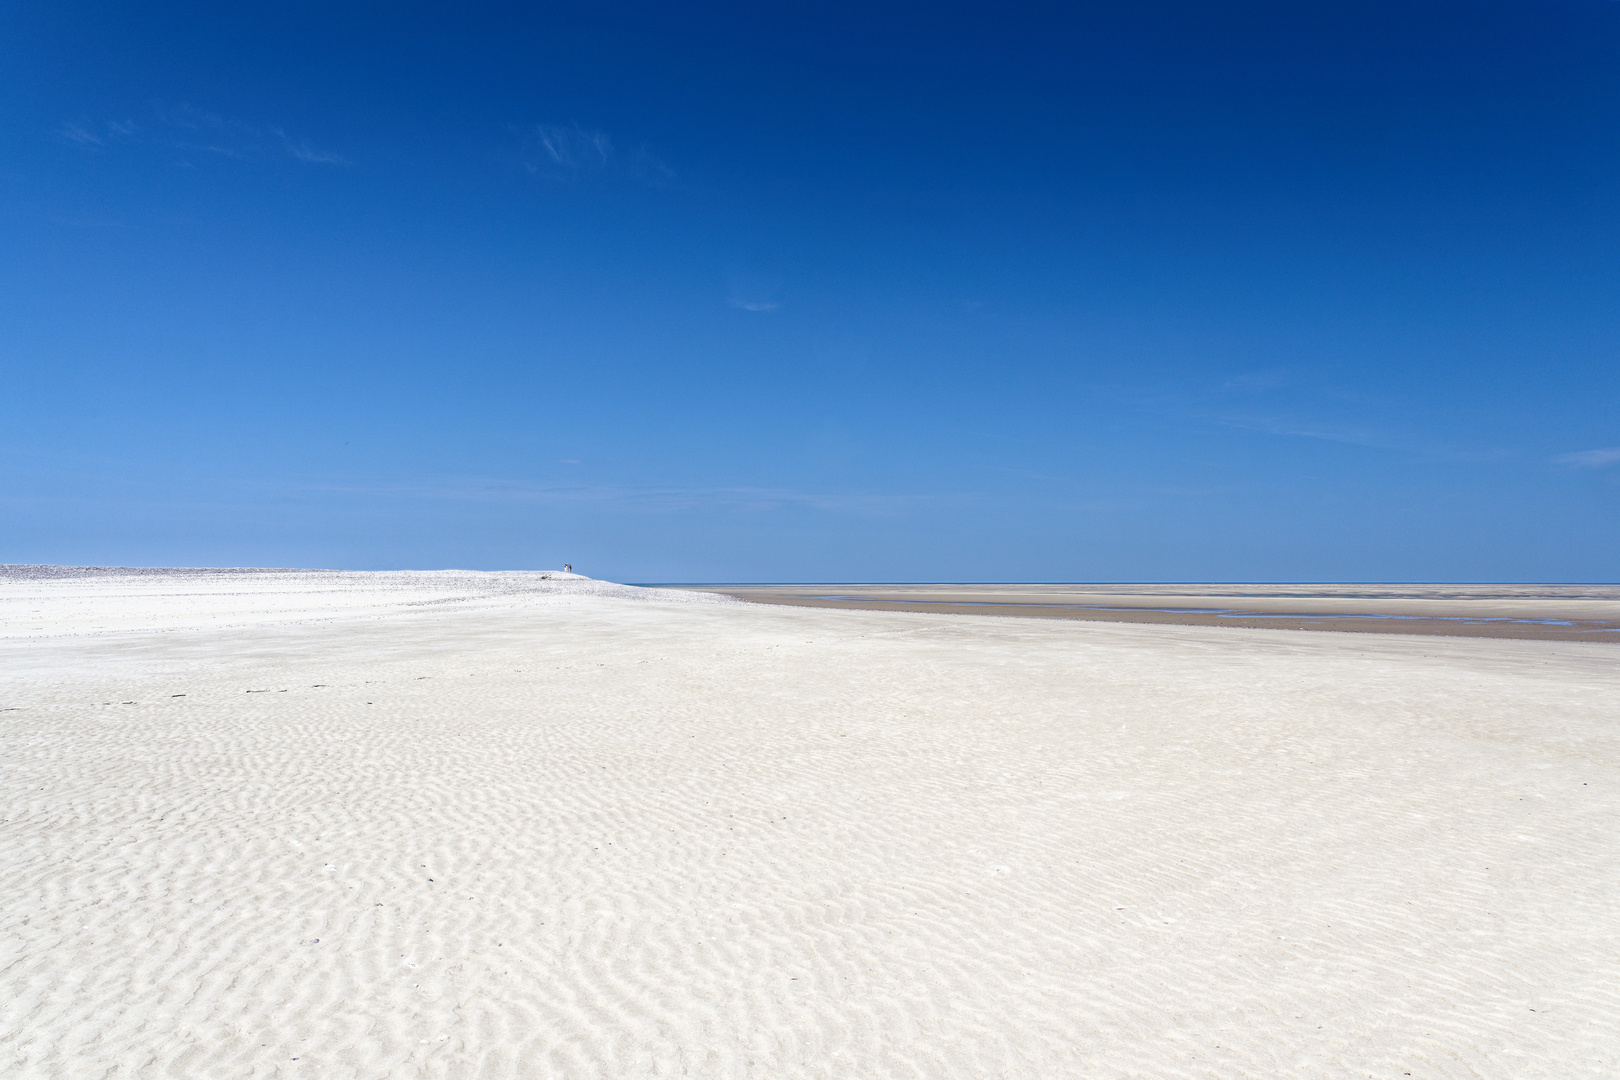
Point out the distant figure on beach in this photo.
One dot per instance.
(568, 568)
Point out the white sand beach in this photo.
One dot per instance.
(340, 825)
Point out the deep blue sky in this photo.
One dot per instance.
(1090, 291)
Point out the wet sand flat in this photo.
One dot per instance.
(306, 824)
(1531, 612)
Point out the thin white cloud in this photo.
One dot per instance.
(574, 149)
(301, 150)
(1323, 433)
(80, 135)
(751, 289)
(1590, 459)
(1256, 382)
(1372, 438)
(569, 152)
(190, 130)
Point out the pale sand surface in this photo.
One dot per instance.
(1547, 612)
(459, 825)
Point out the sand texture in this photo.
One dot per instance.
(1527, 612)
(299, 824)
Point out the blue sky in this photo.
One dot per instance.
(1083, 292)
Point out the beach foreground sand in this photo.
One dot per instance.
(323, 825)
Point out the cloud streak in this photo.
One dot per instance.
(189, 130)
(1323, 433)
(751, 290)
(1371, 438)
(1256, 382)
(1589, 459)
(566, 153)
(301, 150)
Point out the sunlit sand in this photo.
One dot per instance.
(1530, 612)
(291, 823)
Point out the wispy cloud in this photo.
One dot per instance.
(1353, 436)
(1256, 382)
(1028, 474)
(574, 149)
(81, 135)
(301, 150)
(569, 152)
(753, 290)
(1373, 438)
(1590, 459)
(188, 130)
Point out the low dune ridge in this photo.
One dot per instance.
(76, 600)
(311, 823)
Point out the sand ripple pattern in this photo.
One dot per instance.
(540, 833)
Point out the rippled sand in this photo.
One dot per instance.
(455, 825)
